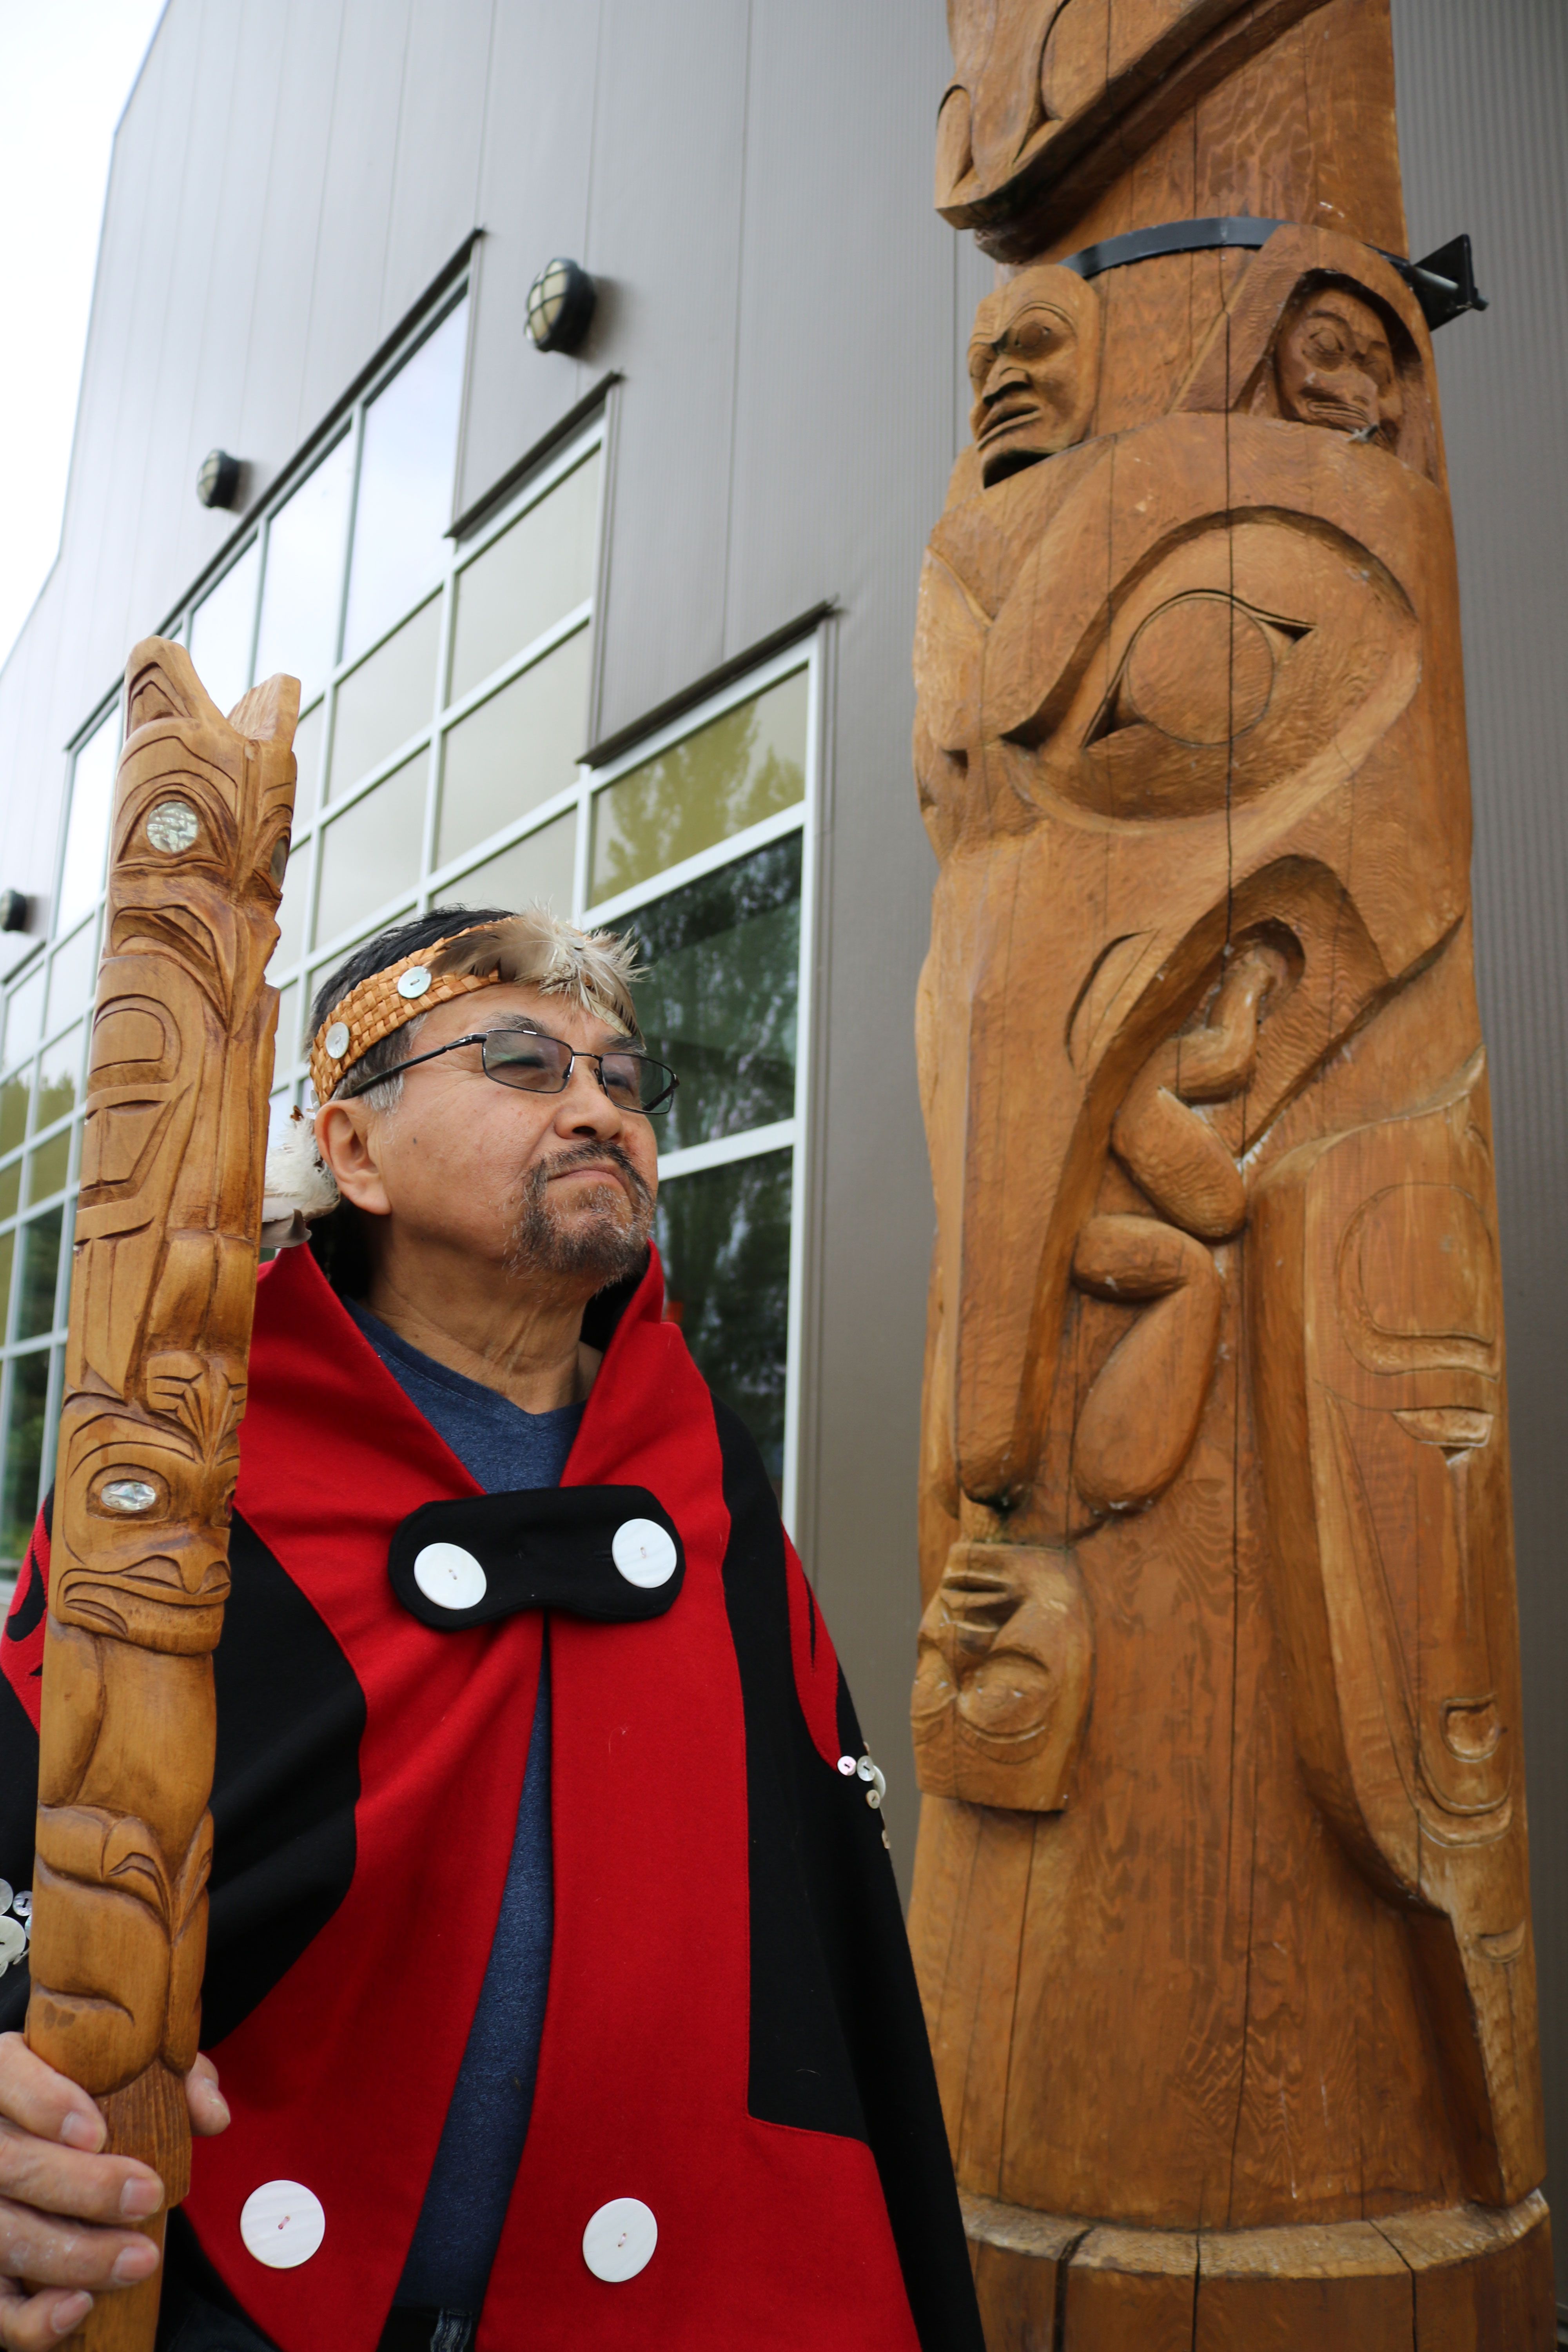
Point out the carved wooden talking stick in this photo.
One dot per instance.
(161, 1294)
(1221, 1906)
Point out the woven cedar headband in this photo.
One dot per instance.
(530, 948)
(381, 1004)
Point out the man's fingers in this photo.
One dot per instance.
(209, 2108)
(57, 2179)
(34, 2096)
(35, 2323)
(47, 2251)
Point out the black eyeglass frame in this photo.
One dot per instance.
(352, 1087)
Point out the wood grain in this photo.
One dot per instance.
(1217, 1545)
(161, 1294)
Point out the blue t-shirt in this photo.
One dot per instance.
(504, 1449)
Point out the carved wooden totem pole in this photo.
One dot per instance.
(1221, 1906)
(161, 1294)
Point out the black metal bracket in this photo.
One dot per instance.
(1444, 283)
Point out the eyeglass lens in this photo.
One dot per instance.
(542, 1065)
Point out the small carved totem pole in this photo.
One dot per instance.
(162, 1295)
(1221, 1906)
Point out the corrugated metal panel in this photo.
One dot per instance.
(1483, 98)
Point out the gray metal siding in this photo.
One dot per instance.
(1483, 100)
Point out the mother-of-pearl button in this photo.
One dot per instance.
(620, 2239)
(643, 1552)
(283, 2224)
(415, 980)
(449, 1576)
(336, 1040)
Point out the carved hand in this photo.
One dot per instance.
(53, 2181)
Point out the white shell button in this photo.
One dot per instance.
(449, 1576)
(415, 980)
(620, 2239)
(283, 2224)
(336, 1040)
(645, 1555)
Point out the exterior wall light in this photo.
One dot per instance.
(14, 908)
(560, 305)
(217, 483)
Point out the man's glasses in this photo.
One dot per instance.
(537, 1064)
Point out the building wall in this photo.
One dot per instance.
(750, 181)
(1483, 96)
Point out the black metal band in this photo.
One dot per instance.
(1443, 283)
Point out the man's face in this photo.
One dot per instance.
(1031, 362)
(1334, 367)
(557, 1189)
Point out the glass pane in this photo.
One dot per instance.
(539, 866)
(300, 599)
(48, 1168)
(221, 629)
(731, 773)
(23, 1452)
(514, 750)
(72, 975)
(87, 836)
(373, 851)
(385, 700)
(724, 1239)
(10, 1194)
(291, 910)
(288, 1045)
(60, 1075)
(7, 1252)
(40, 1254)
(25, 1016)
(14, 1110)
(307, 760)
(528, 577)
(718, 999)
(405, 484)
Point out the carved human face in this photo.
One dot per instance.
(1033, 359)
(468, 1170)
(1334, 367)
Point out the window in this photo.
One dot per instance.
(698, 846)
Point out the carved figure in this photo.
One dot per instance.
(162, 1299)
(1221, 1907)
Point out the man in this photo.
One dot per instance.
(554, 1955)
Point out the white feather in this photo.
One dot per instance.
(296, 1185)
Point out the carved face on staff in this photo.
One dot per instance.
(1034, 361)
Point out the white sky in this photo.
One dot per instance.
(65, 70)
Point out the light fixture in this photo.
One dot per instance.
(217, 483)
(14, 909)
(560, 305)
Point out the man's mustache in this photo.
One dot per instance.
(587, 1155)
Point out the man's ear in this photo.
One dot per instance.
(347, 1135)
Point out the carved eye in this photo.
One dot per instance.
(280, 864)
(172, 827)
(126, 1498)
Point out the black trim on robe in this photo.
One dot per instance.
(837, 2036)
(544, 1548)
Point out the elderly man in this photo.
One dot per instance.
(555, 1961)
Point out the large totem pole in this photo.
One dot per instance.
(1222, 1907)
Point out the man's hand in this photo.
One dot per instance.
(66, 2213)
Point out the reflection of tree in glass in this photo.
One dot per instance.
(733, 773)
(13, 1112)
(719, 997)
(56, 1095)
(724, 1235)
(24, 1451)
(40, 1263)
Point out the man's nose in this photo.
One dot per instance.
(585, 1108)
